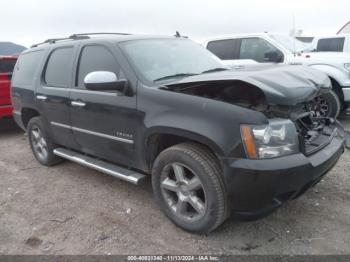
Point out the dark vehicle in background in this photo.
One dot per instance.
(7, 64)
(213, 140)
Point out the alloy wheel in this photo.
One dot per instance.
(39, 143)
(319, 107)
(183, 192)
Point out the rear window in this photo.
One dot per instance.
(224, 49)
(7, 65)
(59, 67)
(331, 45)
(26, 66)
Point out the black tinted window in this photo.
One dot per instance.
(331, 44)
(26, 67)
(7, 65)
(59, 67)
(256, 49)
(224, 49)
(95, 58)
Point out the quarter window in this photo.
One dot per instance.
(256, 49)
(59, 67)
(26, 67)
(95, 58)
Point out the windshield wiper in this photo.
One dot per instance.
(215, 70)
(173, 76)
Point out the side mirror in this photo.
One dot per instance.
(105, 81)
(273, 56)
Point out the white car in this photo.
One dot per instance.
(242, 51)
(338, 43)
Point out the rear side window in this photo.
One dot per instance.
(26, 67)
(7, 65)
(331, 44)
(59, 67)
(224, 49)
(95, 58)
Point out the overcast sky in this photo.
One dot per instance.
(30, 21)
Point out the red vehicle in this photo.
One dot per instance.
(7, 64)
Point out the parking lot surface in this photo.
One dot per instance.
(70, 209)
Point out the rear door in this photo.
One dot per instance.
(52, 95)
(103, 122)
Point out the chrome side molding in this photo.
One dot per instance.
(120, 139)
(102, 166)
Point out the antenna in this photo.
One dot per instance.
(294, 31)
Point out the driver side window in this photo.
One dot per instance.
(258, 50)
(95, 58)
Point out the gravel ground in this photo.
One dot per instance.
(70, 209)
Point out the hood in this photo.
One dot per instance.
(281, 85)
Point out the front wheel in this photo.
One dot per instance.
(187, 183)
(326, 105)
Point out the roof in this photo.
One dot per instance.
(223, 37)
(7, 57)
(117, 37)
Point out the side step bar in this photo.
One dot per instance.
(102, 166)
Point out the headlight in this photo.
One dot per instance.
(278, 138)
(347, 67)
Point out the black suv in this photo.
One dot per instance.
(215, 141)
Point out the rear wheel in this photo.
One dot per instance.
(188, 185)
(41, 143)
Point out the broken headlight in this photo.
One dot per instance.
(278, 138)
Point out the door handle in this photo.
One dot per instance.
(239, 67)
(78, 103)
(42, 98)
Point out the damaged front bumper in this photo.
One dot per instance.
(256, 187)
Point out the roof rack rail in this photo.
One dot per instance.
(54, 40)
(108, 33)
(75, 37)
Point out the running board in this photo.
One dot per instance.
(99, 165)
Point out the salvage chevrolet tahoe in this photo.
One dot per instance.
(214, 141)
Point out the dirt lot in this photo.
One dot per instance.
(69, 209)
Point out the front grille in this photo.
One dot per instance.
(315, 132)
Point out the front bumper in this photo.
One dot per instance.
(258, 186)
(346, 92)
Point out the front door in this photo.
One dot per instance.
(103, 123)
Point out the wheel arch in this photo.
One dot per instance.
(160, 138)
(28, 113)
(334, 75)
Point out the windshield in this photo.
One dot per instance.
(165, 59)
(291, 43)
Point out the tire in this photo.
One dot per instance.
(327, 105)
(202, 209)
(41, 143)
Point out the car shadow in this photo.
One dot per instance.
(9, 127)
